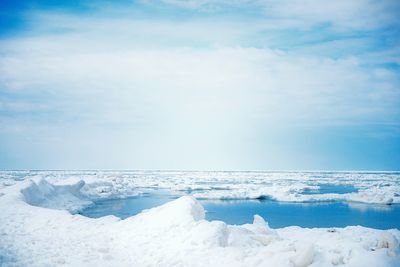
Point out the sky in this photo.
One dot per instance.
(200, 84)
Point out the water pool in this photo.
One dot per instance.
(330, 188)
(278, 214)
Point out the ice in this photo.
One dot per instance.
(304, 256)
(37, 230)
(63, 197)
(370, 187)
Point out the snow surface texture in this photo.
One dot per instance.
(372, 187)
(174, 234)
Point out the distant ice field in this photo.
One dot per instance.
(361, 187)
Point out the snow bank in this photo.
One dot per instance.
(174, 234)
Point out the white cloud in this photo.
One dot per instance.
(342, 14)
(127, 84)
(119, 68)
(262, 84)
(356, 14)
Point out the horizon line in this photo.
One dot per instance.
(198, 170)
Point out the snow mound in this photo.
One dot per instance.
(62, 197)
(174, 234)
(183, 209)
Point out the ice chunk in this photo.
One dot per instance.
(304, 255)
(42, 193)
(261, 225)
(390, 242)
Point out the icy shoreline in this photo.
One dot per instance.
(37, 230)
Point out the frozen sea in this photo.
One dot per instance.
(197, 218)
(306, 199)
(355, 187)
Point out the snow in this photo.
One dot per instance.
(63, 197)
(37, 229)
(304, 257)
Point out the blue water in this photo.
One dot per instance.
(278, 214)
(281, 214)
(330, 189)
(124, 208)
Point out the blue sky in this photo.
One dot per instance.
(199, 84)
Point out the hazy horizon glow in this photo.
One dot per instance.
(198, 84)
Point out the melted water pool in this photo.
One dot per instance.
(278, 214)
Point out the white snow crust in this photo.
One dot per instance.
(37, 229)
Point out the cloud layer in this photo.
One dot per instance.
(199, 82)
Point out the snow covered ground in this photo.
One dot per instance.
(38, 226)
